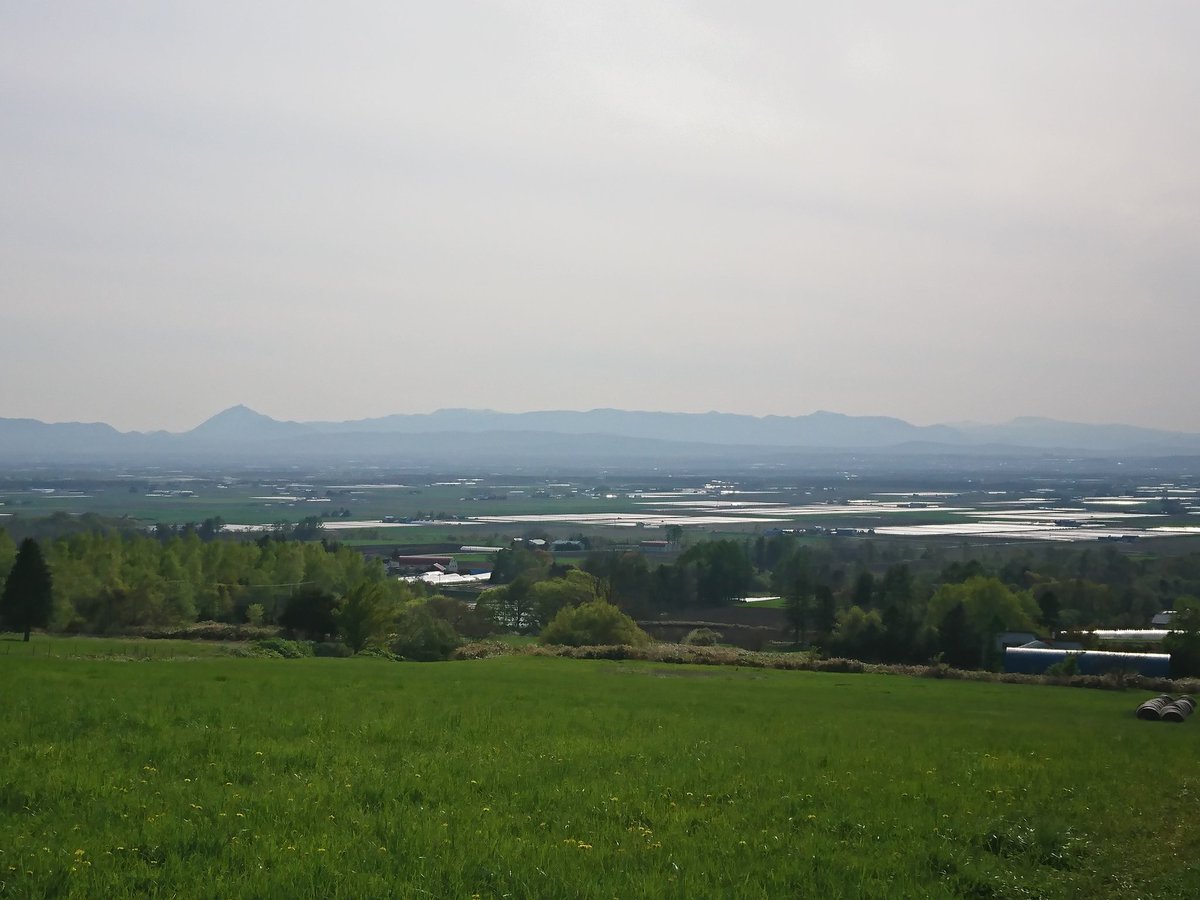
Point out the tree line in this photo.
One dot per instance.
(857, 598)
(865, 599)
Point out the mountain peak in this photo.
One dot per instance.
(242, 422)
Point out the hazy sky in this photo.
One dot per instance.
(935, 210)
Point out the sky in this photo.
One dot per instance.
(940, 211)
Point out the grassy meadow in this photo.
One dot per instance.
(541, 777)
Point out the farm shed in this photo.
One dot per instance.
(1036, 660)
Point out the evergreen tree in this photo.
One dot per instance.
(825, 612)
(8, 554)
(28, 597)
(958, 644)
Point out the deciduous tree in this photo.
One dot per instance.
(364, 616)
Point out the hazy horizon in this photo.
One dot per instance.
(340, 419)
(935, 211)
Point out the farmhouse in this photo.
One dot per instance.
(415, 565)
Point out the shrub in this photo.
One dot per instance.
(378, 653)
(484, 650)
(703, 637)
(1067, 667)
(286, 649)
(207, 631)
(332, 648)
(422, 637)
(596, 623)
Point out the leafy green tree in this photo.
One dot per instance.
(511, 605)
(863, 593)
(1183, 641)
(310, 528)
(549, 596)
(958, 572)
(723, 571)
(988, 606)
(28, 597)
(597, 623)
(179, 593)
(986, 601)
(674, 587)
(510, 565)
(628, 578)
(859, 634)
(310, 613)
(468, 621)
(896, 600)
(364, 616)
(423, 637)
(210, 528)
(1050, 612)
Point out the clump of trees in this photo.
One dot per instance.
(527, 605)
(322, 596)
(108, 581)
(876, 601)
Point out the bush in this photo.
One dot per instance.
(596, 623)
(424, 638)
(703, 637)
(207, 631)
(286, 649)
(378, 653)
(1067, 667)
(332, 648)
(484, 650)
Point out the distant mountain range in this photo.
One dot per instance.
(598, 436)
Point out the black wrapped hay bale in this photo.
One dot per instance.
(1152, 710)
(1177, 711)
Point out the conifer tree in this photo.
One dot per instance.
(28, 596)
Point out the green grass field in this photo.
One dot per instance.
(538, 777)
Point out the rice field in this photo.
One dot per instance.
(543, 777)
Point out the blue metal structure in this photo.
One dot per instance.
(1036, 660)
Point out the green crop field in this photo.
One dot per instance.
(538, 777)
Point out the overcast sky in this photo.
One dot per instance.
(941, 211)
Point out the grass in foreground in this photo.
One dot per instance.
(540, 777)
